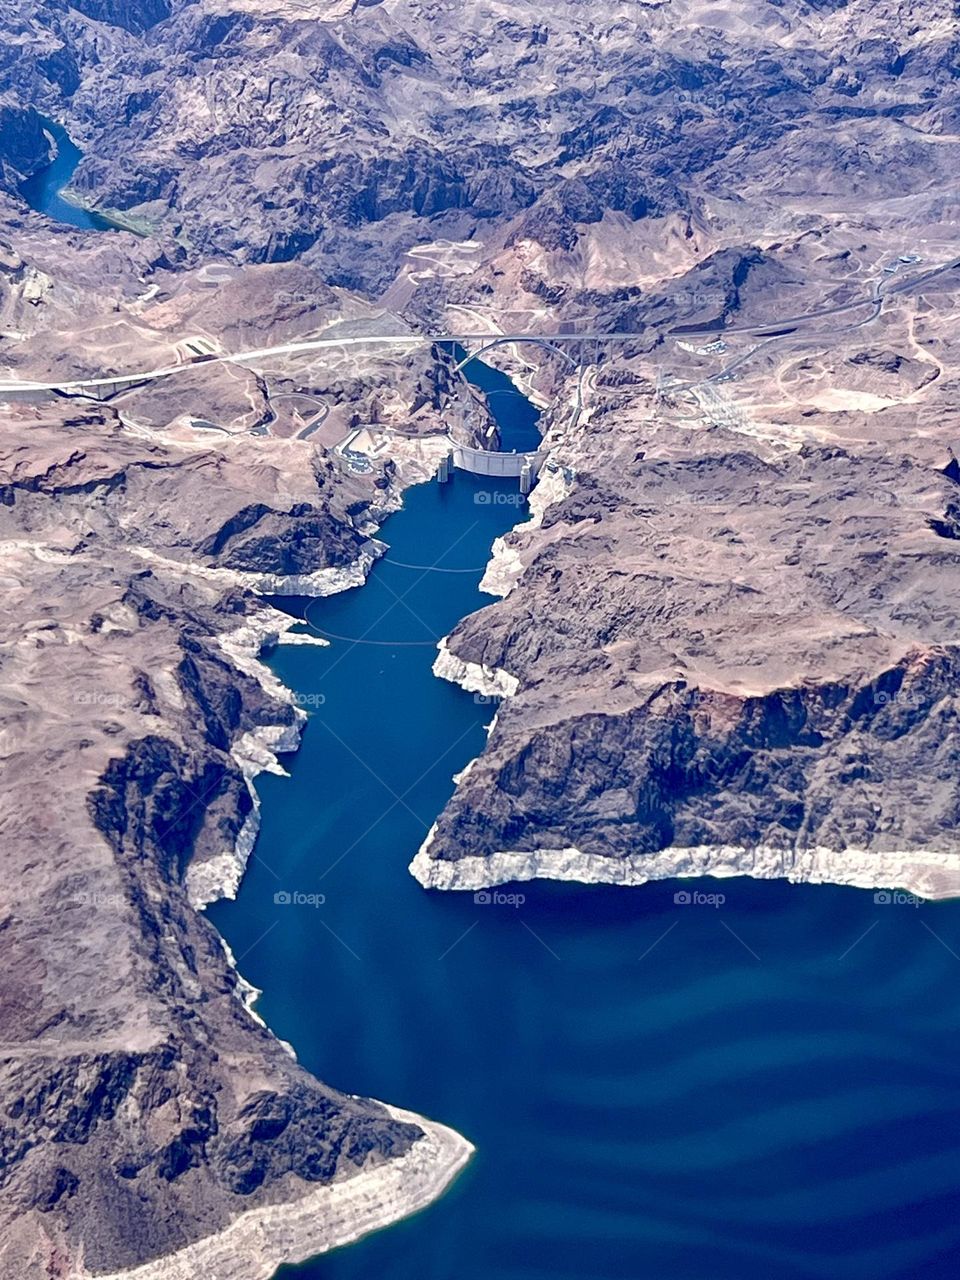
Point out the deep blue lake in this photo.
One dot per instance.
(42, 191)
(768, 1088)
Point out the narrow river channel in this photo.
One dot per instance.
(42, 191)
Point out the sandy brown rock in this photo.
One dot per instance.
(132, 1069)
(726, 630)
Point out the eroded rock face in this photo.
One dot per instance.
(132, 1071)
(331, 131)
(729, 627)
(24, 147)
(135, 16)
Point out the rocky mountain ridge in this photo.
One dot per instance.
(376, 120)
(133, 1069)
(726, 639)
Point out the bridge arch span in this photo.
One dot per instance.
(507, 340)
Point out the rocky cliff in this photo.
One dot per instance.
(726, 638)
(334, 132)
(135, 716)
(703, 663)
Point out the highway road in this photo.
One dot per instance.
(773, 335)
(81, 386)
(773, 328)
(134, 377)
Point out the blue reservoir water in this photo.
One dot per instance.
(764, 1088)
(517, 418)
(42, 191)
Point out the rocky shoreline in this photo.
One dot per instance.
(256, 752)
(489, 682)
(643, 763)
(254, 1245)
(139, 1066)
(926, 873)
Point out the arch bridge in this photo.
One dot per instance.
(510, 340)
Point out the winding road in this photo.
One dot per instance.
(785, 331)
(770, 331)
